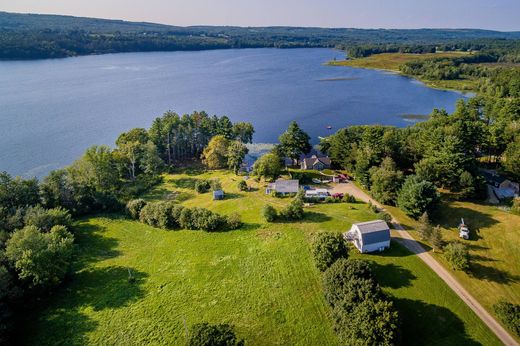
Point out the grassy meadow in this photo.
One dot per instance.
(261, 278)
(495, 259)
(392, 61)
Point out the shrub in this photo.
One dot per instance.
(205, 334)
(134, 207)
(341, 274)
(372, 207)
(294, 211)
(509, 314)
(457, 255)
(185, 219)
(436, 238)
(242, 185)
(327, 248)
(269, 213)
(202, 186)
(201, 219)
(160, 214)
(45, 219)
(385, 217)
(349, 198)
(40, 259)
(424, 228)
(234, 221)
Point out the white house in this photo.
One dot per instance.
(369, 236)
(283, 186)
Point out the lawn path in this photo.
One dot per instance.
(406, 239)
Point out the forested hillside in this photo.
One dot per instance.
(31, 36)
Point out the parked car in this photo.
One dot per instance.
(463, 230)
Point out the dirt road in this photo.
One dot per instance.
(407, 241)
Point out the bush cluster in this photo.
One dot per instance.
(362, 314)
(327, 248)
(509, 313)
(457, 255)
(294, 211)
(169, 215)
(205, 334)
(202, 186)
(134, 207)
(45, 219)
(242, 185)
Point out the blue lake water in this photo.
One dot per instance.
(52, 110)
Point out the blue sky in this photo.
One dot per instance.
(486, 14)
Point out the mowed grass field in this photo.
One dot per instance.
(495, 257)
(261, 278)
(392, 61)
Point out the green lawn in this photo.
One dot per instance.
(261, 278)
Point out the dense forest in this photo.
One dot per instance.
(31, 36)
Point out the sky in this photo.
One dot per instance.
(484, 14)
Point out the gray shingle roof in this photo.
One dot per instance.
(287, 186)
(374, 231)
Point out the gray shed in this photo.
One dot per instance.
(369, 236)
(218, 194)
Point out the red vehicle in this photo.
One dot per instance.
(337, 195)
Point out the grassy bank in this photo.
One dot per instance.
(392, 61)
(260, 278)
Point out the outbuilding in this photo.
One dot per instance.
(218, 194)
(283, 187)
(369, 236)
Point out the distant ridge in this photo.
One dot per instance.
(37, 36)
(33, 21)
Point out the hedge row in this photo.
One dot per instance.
(169, 215)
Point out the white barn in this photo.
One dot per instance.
(369, 236)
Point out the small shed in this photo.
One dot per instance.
(218, 194)
(369, 236)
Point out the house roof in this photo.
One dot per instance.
(287, 186)
(313, 152)
(373, 231)
(314, 160)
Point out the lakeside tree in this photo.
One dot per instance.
(243, 132)
(294, 141)
(417, 196)
(268, 167)
(215, 154)
(40, 259)
(235, 155)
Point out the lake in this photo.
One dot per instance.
(52, 110)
